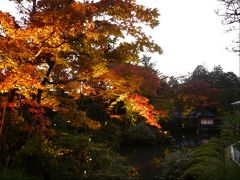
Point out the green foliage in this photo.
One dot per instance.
(210, 161)
(139, 134)
(32, 159)
(199, 74)
(175, 164)
(232, 170)
(227, 83)
(110, 134)
(68, 156)
(7, 174)
(207, 162)
(203, 171)
(94, 108)
(230, 129)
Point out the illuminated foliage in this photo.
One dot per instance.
(71, 45)
(139, 104)
(78, 48)
(145, 80)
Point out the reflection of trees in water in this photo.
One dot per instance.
(146, 158)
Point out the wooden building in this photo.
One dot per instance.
(198, 125)
(205, 122)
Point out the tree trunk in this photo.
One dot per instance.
(3, 116)
(34, 6)
(39, 93)
(5, 123)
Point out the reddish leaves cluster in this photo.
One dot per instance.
(143, 79)
(199, 94)
(10, 105)
(140, 105)
(37, 121)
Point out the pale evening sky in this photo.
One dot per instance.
(190, 33)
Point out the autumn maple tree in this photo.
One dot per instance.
(199, 94)
(79, 47)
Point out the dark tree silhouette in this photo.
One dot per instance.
(231, 13)
(231, 17)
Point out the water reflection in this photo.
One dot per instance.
(146, 158)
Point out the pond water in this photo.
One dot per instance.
(145, 158)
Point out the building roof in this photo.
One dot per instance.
(201, 113)
(193, 114)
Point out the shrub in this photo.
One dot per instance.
(175, 164)
(207, 162)
(9, 174)
(230, 129)
(68, 156)
(139, 134)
